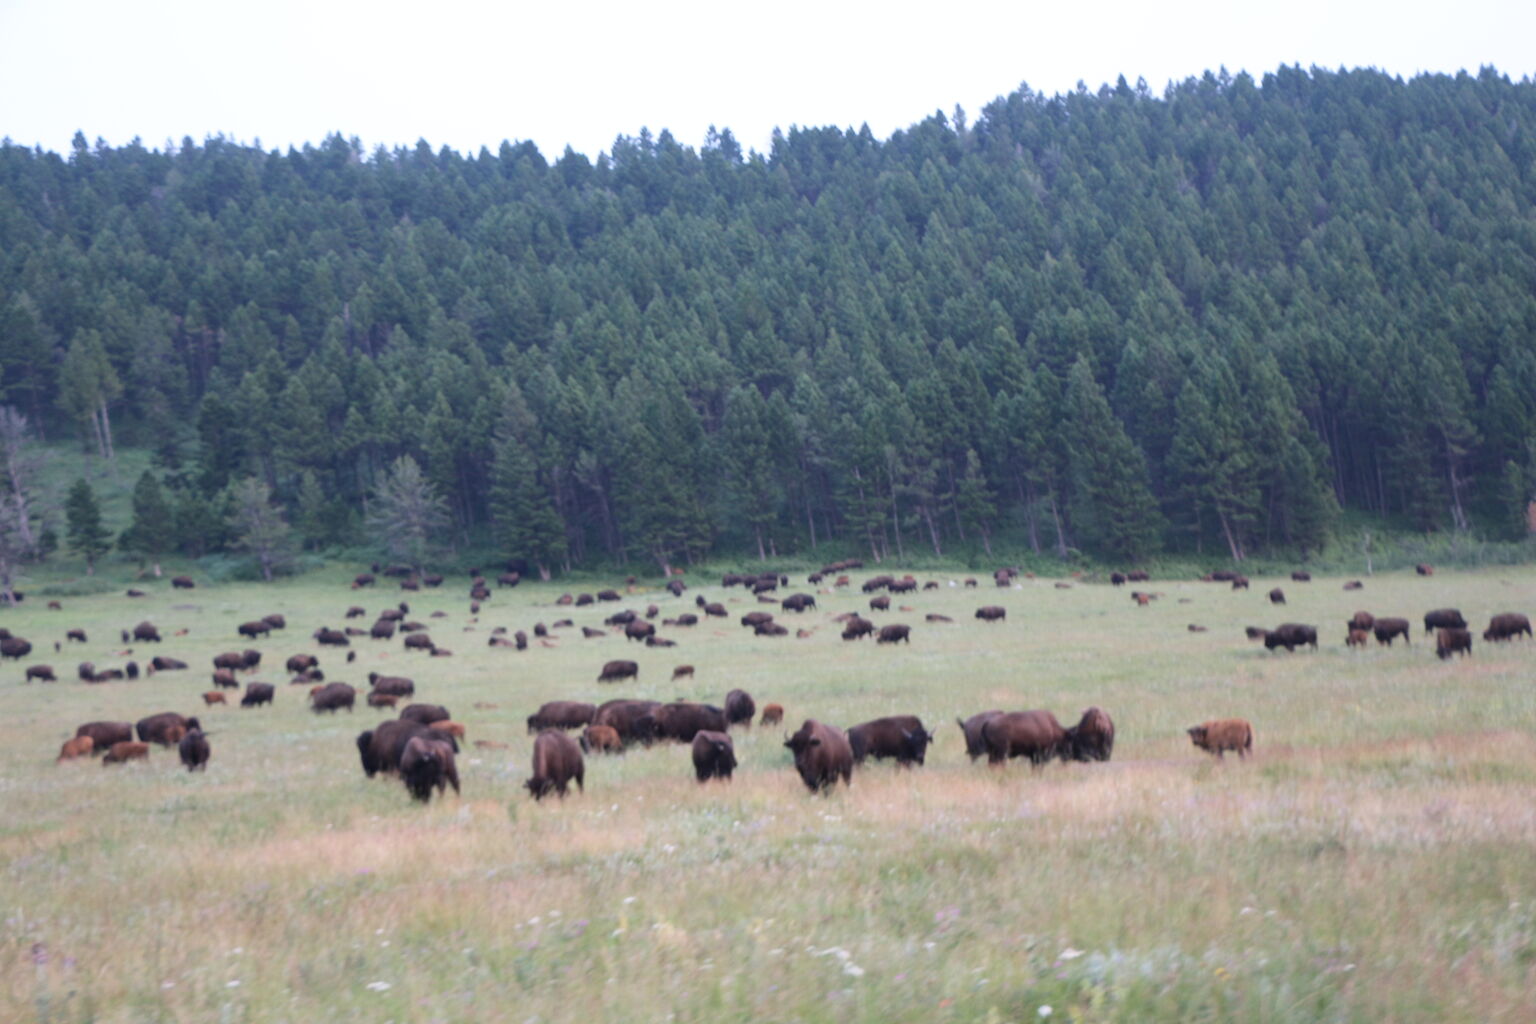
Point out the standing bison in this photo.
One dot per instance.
(165, 728)
(992, 613)
(894, 633)
(1092, 738)
(975, 744)
(739, 708)
(14, 647)
(254, 629)
(332, 697)
(556, 761)
(1507, 627)
(1221, 735)
(899, 736)
(1451, 641)
(822, 755)
(1387, 629)
(426, 763)
(1443, 618)
(1291, 635)
(1032, 734)
(561, 714)
(625, 716)
(714, 756)
(194, 751)
(614, 671)
(257, 694)
(104, 734)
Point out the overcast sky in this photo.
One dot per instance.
(467, 74)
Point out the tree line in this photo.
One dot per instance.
(1114, 322)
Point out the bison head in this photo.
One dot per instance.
(1197, 736)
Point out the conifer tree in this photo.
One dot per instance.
(151, 534)
(88, 536)
(1113, 511)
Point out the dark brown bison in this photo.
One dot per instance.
(356, 612)
(301, 663)
(900, 736)
(752, 620)
(1362, 621)
(798, 603)
(715, 609)
(561, 714)
(676, 587)
(183, 582)
(232, 661)
(332, 697)
(1239, 582)
(614, 671)
(1443, 618)
(1424, 570)
(936, 617)
(425, 714)
(275, 621)
(739, 707)
(992, 613)
(773, 714)
(856, 628)
(639, 629)
(419, 642)
(1301, 576)
(426, 763)
(75, 636)
(1138, 576)
(1092, 738)
(332, 638)
(623, 717)
(1449, 641)
(225, 679)
(162, 727)
(119, 753)
(42, 673)
(622, 618)
(1291, 635)
(382, 700)
(14, 647)
(714, 756)
(1354, 585)
(1277, 596)
(1221, 735)
(254, 629)
(257, 694)
(395, 686)
(1032, 734)
(1117, 579)
(682, 720)
(104, 734)
(1387, 629)
(682, 672)
(1506, 627)
(145, 632)
(194, 751)
(880, 604)
(975, 743)
(602, 738)
(894, 634)
(556, 761)
(609, 595)
(822, 755)
(508, 579)
(771, 629)
(382, 629)
(592, 634)
(362, 579)
(380, 748)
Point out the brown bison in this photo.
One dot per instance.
(715, 609)
(739, 708)
(448, 727)
(1424, 570)
(602, 738)
(145, 632)
(1277, 596)
(42, 673)
(398, 686)
(257, 694)
(1449, 641)
(681, 720)
(1354, 585)
(798, 603)
(225, 679)
(900, 736)
(1092, 738)
(556, 761)
(76, 746)
(75, 636)
(382, 700)
(624, 716)
(936, 617)
(856, 628)
(880, 604)
(194, 751)
(561, 714)
(233, 661)
(425, 714)
(332, 697)
(714, 756)
(212, 697)
(752, 620)
(119, 753)
(182, 582)
(1301, 576)
(1221, 735)
(382, 629)
(1032, 734)
(14, 647)
(1291, 635)
(1506, 627)
(1356, 638)
(104, 734)
(331, 638)
(975, 743)
(771, 629)
(165, 728)
(380, 748)
(682, 672)
(639, 629)
(426, 763)
(614, 671)
(419, 642)
(275, 621)
(822, 755)
(301, 662)
(356, 612)
(992, 613)
(1387, 629)
(773, 714)
(362, 579)
(894, 634)
(254, 629)
(1362, 621)
(1443, 618)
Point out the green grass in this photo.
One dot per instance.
(1371, 863)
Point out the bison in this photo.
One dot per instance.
(893, 634)
(332, 638)
(256, 694)
(971, 728)
(1424, 570)
(739, 707)
(75, 636)
(798, 602)
(556, 761)
(382, 629)
(880, 604)
(822, 755)
(624, 715)
(145, 632)
(856, 628)
(1221, 735)
(301, 662)
(332, 697)
(194, 751)
(714, 756)
(773, 714)
(1032, 734)
(419, 642)
(602, 738)
(752, 620)
(1362, 621)
(1386, 629)
(1356, 638)
(1443, 618)
(992, 613)
(425, 714)
(42, 673)
(1503, 627)
(105, 734)
(1449, 641)
(254, 629)
(614, 671)
(397, 686)
(182, 582)
(1092, 738)
(382, 700)
(119, 753)
(683, 672)
(900, 736)
(224, 679)
(76, 746)
(639, 629)
(682, 720)
(232, 661)
(1277, 596)
(14, 647)
(165, 728)
(561, 714)
(212, 697)
(1291, 635)
(381, 748)
(426, 762)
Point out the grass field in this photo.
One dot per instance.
(1376, 861)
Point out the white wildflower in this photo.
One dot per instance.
(379, 986)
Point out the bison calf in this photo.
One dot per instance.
(76, 746)
(773, 714)
(1221, 735)
(126, 751)
(601, 738)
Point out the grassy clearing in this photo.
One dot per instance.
(1372, 863)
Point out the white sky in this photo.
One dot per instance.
(467, 74)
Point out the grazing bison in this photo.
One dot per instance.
(624, 716)
(212, 697)
(119, 753)
(614, 671)
(556, 761)
(1117, 579)
(681, 720)
(427, 763)
(104, 734)
(362, 579)
(714, 609)
(356, 612)
(182, 582)
(1032, 734)
(622, 618)
(894, 633)
(332, 638)
(448, 727)
(676, 587)
(1356, 638)
(992, 613)
(592, 634)
(194, 751)
(224, 679)
(381, 748)
(396, 686)
(42, 673)
(332, 697)
(798, 602)
(714, 756)
(975, 743)
(256, 694)
(145, 632)
(1291, 635)
(1506, 627)
(77, 746)
(684, 672)
(1092, 738)
(639, 629)
(822, 755)
(739, 707)
(880, 604)
(1443, 618)
(75, 636)
(752, 620)
(425, 714)
(1221, 735)
(1301, 576)
(382, 629)
(900, 736)
(232, 661)
(1424, 570)
(382, 700)
(1362, 621)
(602, 738)
(561, 714)
(1277, 596)
(1354, 585)
(582, 600)
(1449, 641)
(1239, 582)
(254, 629)
(275, 621)
(163, 727)
(301, 663)
(771, 629)
(1387, 629)
(857, 628)
(14, 647)
(420, 642)
(773, 714)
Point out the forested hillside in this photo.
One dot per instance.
(1116, 322)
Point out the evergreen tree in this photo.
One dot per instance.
(152, 533)
(408, 514)
(88, 536)
(259, 527)
(1112, 508)
(527, 524)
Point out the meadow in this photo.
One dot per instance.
(1374, 861)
